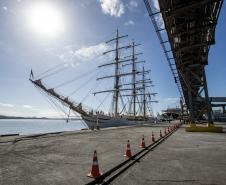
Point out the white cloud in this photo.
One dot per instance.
(132, 4)
(27, 106)
(171, 100)
(130, 22)
(91, 51)
(6, 105)
(5, 8)
(113, 7)
(75, 56)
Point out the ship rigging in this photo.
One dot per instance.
(135, 94)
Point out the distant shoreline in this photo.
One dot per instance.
(44, 118)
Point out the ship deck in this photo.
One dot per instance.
(66, 158)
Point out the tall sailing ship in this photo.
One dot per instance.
(136, 91)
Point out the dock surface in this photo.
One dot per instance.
(66, 158)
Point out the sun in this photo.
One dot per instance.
(45, 20)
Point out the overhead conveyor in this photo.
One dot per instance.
(190, 28)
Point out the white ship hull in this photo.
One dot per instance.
(103, 121)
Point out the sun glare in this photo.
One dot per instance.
(45, 20)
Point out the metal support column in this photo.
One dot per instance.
(209, 110)
(182, 110)
(191, 108)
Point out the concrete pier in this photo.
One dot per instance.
(66, 158)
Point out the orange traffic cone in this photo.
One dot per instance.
(142, 143)
(94, 172)
(128, 150)
(160, 133)
(165, 132)
(153, 137)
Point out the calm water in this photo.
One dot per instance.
(36, 126)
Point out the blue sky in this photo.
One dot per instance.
(78, 42)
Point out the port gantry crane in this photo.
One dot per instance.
(190, 29)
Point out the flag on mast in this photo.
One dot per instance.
(31, 74)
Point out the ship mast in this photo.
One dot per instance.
(117, 74)
(134, 79)
(134, 83)
(116, 87)
(134, 73)
(144, 95)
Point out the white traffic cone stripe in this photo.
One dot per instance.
(95, 163)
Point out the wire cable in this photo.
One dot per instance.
(86, 83)
(75, 78)
(103, 100)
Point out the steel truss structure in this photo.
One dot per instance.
(190, 29)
